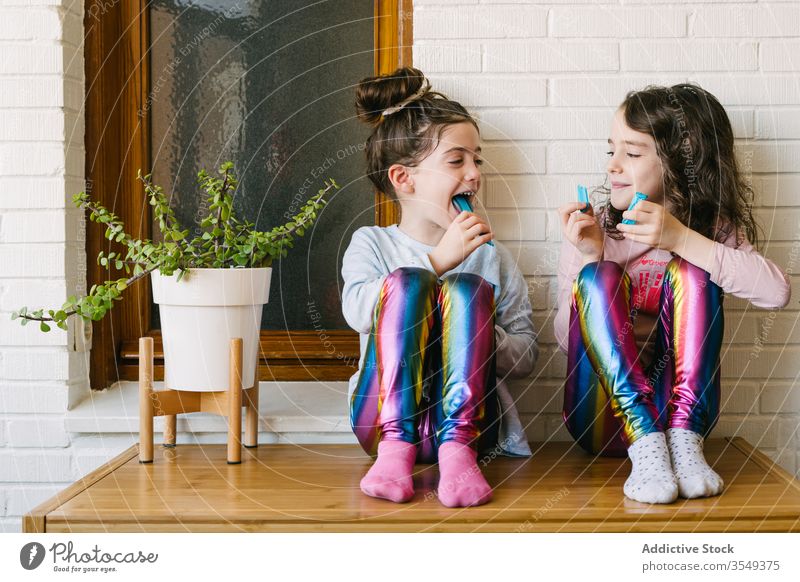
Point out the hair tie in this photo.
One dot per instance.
(395, 108)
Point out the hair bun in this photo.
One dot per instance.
(375, 94)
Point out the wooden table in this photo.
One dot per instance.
(309, 488)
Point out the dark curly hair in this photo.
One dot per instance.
(694, 140)
(407, 136)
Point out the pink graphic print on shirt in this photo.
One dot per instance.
(647, 286)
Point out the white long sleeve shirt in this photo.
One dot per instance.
(376, 251)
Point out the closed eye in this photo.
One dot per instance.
(630, 155)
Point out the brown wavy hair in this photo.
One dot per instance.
(407, 136)
(694, 140)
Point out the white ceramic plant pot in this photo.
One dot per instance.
(199, 316)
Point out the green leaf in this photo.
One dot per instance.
(44, 327)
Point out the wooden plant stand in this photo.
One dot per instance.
(170, 403)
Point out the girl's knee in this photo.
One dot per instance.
(410, 277)
(598, 271)
(680, 271)
(470, 289)
(681, 268)
(468, 281)
(406, 288)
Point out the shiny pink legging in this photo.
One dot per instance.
(423, 332)
(610, 398)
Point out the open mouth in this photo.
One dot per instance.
(463, 201)
(468, 193)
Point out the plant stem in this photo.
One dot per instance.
(219, 211)
(169, 219)
(73, 311)
(307, 217)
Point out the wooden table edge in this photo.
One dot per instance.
(764, 461)
(35, 520)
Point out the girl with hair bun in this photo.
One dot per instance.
(443, 316)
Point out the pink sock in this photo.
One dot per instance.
(461, 483)
(390, 475)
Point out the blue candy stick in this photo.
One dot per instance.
(639, 196)
(462, 203)
(583, 196)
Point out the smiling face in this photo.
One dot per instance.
(453, 167)
(633, 165)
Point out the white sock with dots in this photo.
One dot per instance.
(695, 477)
(652, 479)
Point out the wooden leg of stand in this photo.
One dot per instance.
(235, 403)
(145, 400)
(170, 429)
(251, 417)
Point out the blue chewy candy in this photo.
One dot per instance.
(583, 196)
(639, 196)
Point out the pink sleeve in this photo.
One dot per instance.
(569, 265)
(742, 271)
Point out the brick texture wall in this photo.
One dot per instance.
(41, 246)
(544, 79)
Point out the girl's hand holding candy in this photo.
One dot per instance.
(466, 233)
(462, 203)
(580, 227)
(655, 226)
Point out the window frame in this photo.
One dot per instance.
(117, 141)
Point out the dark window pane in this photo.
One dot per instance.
(269, 85)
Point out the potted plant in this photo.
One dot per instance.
(209, 288)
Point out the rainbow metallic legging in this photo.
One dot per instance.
(439, 335)
(610, 398)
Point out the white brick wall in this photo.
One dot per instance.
(41, 251)
(544, 78)
(545, 98)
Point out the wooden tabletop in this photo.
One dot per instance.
(289, 488)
